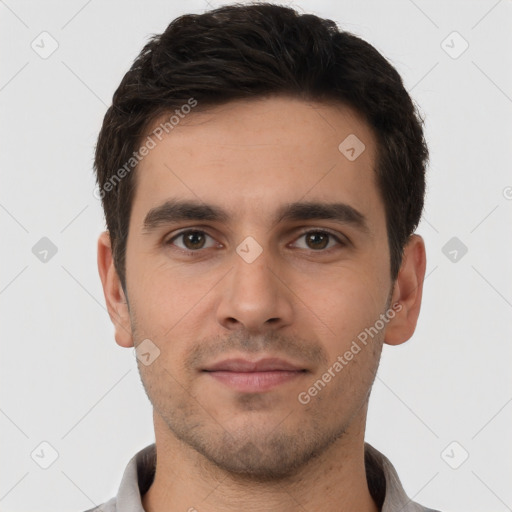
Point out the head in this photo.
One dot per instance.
(262, 174)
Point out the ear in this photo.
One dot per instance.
(407, 292)
(115, 299)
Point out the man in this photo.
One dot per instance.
(262, 174)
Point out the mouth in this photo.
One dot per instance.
(248, 376)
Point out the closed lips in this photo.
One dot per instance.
(246, 366)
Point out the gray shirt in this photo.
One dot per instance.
(383, 482)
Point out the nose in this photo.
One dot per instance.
(254, 297)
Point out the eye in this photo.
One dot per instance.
(192, 240)
(317, 240)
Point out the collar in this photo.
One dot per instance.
(383, 483)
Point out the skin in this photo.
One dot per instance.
(300, 300)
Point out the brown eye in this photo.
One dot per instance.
(192, 240)
(317, 240)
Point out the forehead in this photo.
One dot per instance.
(260, 154)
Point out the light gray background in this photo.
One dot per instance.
(66, 382)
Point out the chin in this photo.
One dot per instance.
(251, 452)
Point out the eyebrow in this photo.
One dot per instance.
(340, 212)
(174, 210)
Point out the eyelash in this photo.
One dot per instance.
(337, 238)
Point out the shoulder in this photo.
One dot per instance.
(108, 506)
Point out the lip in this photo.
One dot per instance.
(248, 376)
(245, 365)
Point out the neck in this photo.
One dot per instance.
(186, 481)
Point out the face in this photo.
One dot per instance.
(257, 254)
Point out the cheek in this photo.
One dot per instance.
(171, 302)
(342, 303)
(348, 306)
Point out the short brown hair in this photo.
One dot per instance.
(249, 51)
